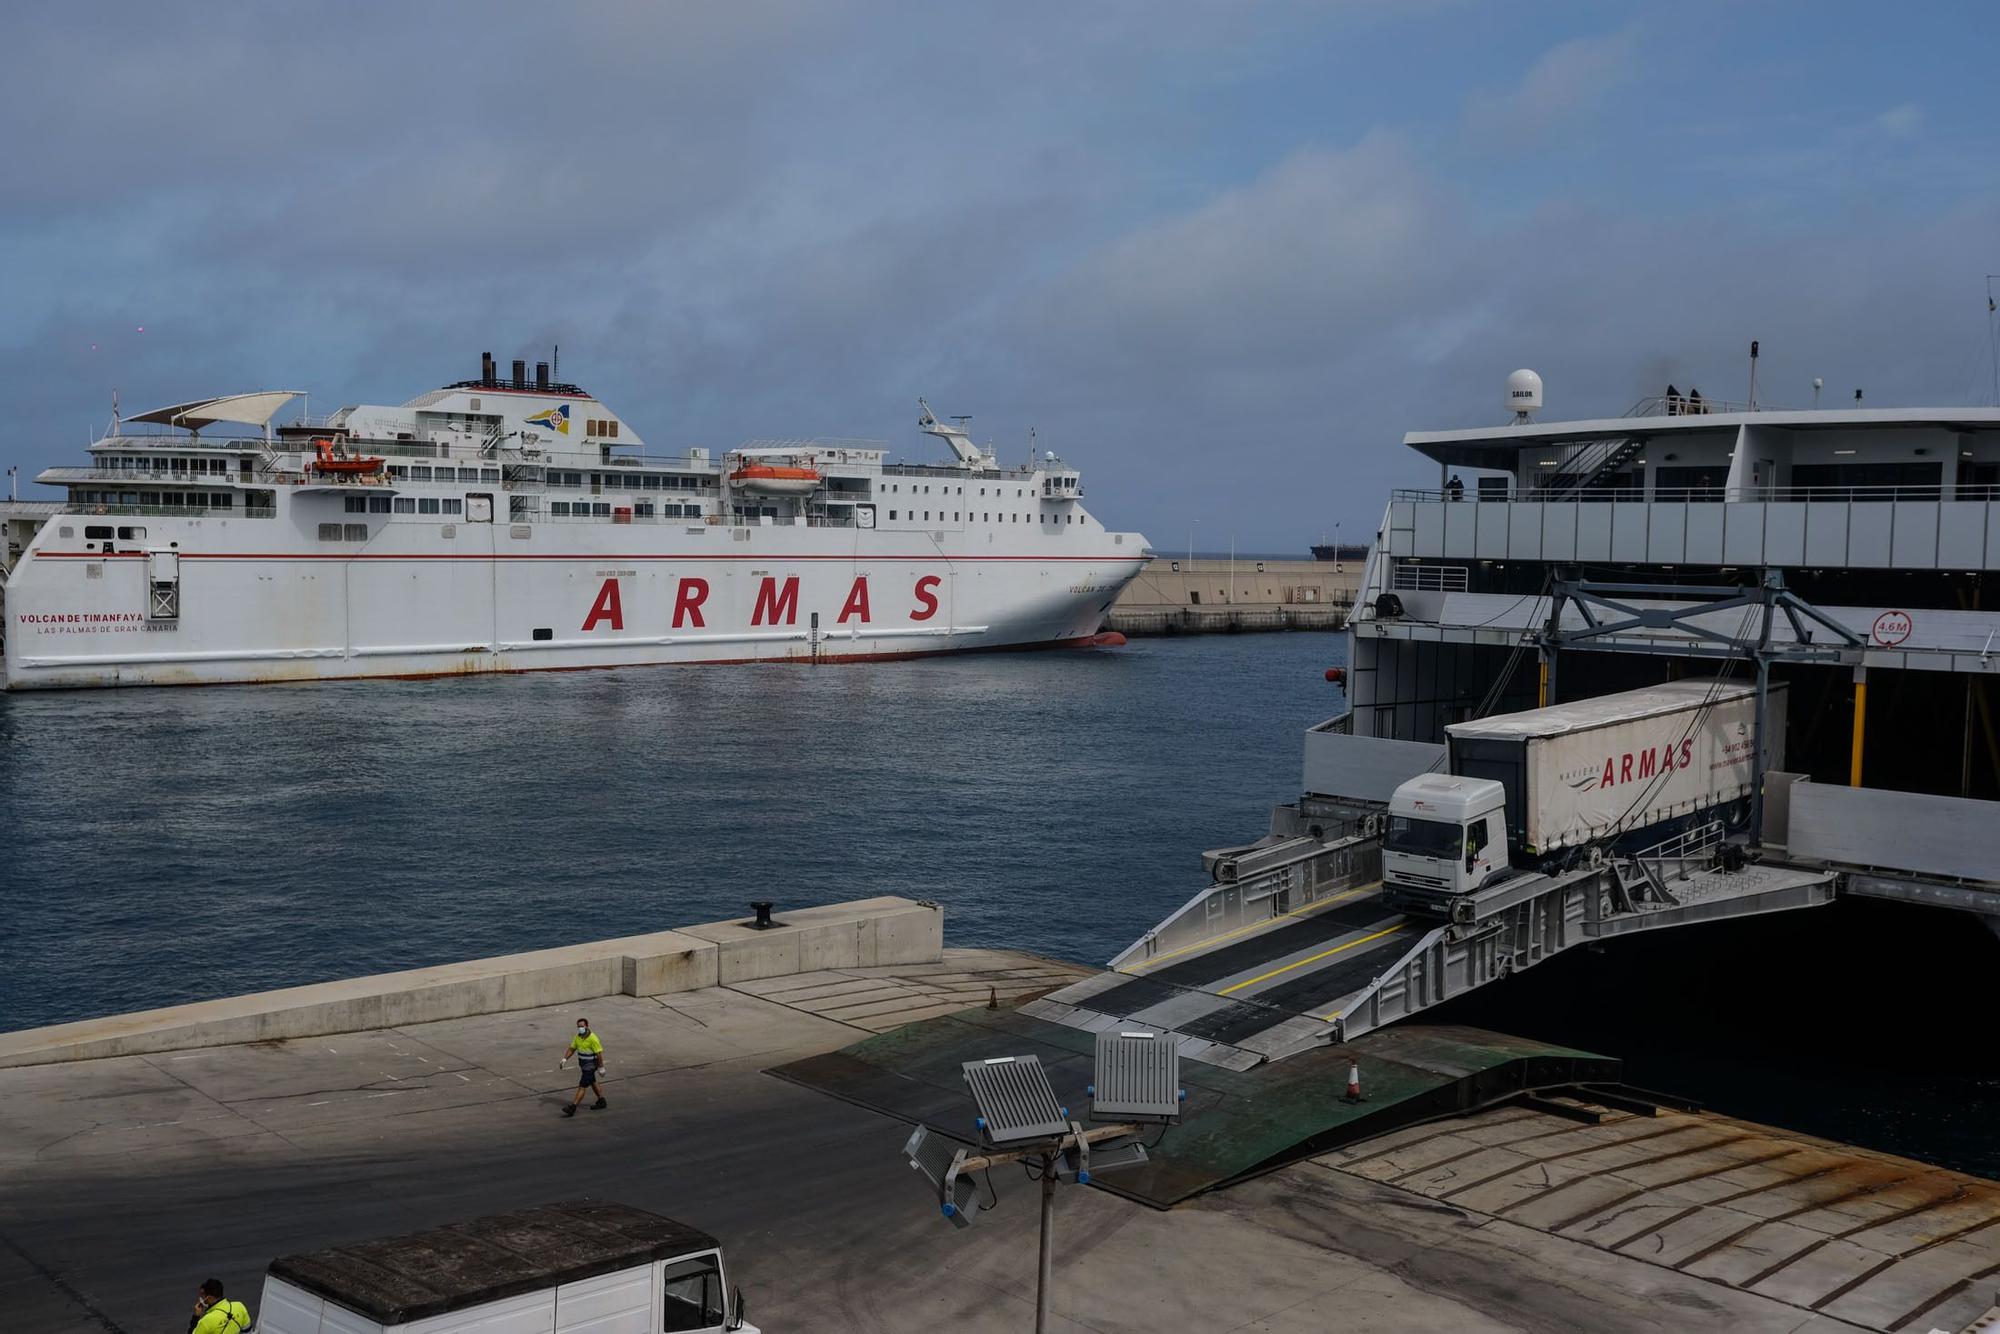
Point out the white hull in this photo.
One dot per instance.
(413, 603)
(515, 527)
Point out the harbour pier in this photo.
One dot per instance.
(1482, 1183)
(1206, 595)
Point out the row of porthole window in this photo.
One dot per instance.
(630, 481)
(983, 518)
(421, 472)
(215, 500)
(343, 532)
(997, 491)
(159, 463)
(405, 505)
(641, 509)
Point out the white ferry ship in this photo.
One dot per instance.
(517, 524)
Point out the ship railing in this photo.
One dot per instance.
(599, 488)
(176, 511)
(1717, 494)
(1013, 474)
(1430, 578)
(1690, 842)
(690, 520)
(151, 436)
(136, 475)
(1692, 405)
(807, 445)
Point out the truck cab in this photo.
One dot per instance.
(583, 1267)
(1447, 835)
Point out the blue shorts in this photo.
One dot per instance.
(586, 1074)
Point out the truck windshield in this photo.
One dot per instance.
(693, 1294)
(1424, 838)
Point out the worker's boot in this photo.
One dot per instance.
(569, 1109)
(599, 1105)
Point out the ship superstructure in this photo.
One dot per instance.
(1687, 666)
(1872, 532)
(514, 523)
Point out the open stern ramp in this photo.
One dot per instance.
(1253, 993)
(1246, 977)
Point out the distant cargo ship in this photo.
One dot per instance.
(1340, 551)
(515, 524)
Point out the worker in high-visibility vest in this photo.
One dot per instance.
(215, 1315)
(589, 1052)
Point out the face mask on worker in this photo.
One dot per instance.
(583, 1028)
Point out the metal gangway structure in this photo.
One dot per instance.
(1292, 948)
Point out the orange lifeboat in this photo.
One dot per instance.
(775, 479)
(341, 464)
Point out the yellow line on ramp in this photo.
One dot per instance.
(1134, 969)
(1324, 954)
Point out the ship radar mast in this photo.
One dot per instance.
(961, 444)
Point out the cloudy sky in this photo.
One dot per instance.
(1222, 255)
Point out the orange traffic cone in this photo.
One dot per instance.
(1353, 1080)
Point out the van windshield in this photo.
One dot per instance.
(1424, 838)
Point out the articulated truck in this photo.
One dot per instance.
(1525, 792)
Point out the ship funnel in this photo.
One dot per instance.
(520, 374)
(486, 367)
(541, 375)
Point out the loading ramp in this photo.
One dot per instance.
(1245, 978)
(1235, 1123)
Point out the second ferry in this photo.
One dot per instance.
(511, 523)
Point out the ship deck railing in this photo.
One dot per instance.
(55, 475)
(689, 520)
(1686, 405)
(1840, 495)
(173, 511)
(590, 458)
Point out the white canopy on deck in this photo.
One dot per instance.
(248, 409)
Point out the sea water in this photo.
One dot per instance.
(168, 845)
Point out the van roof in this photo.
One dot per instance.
(394, 1280)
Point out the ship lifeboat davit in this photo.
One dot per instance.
(775, 479)
(341, 464)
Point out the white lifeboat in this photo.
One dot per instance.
(761, 477)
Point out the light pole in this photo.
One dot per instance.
(1137, 1082)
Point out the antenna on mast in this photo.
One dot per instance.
(1031, 446)
(1753, 375)
(1993, 335)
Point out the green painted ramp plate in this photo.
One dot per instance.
(1235, 1123)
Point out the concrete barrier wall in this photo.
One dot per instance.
(862, 934)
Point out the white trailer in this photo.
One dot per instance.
(1524, 786)
(584, 1267)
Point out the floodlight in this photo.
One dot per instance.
(936, 1157)
(1138, 1076)
(1015, 1102)
(1081, 1163)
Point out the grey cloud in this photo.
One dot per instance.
(1567, 81)
(772, 220)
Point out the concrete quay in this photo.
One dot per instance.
(861, 934)
(124, 1179)
(1186, 597)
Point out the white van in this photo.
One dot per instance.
(585, 1267)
